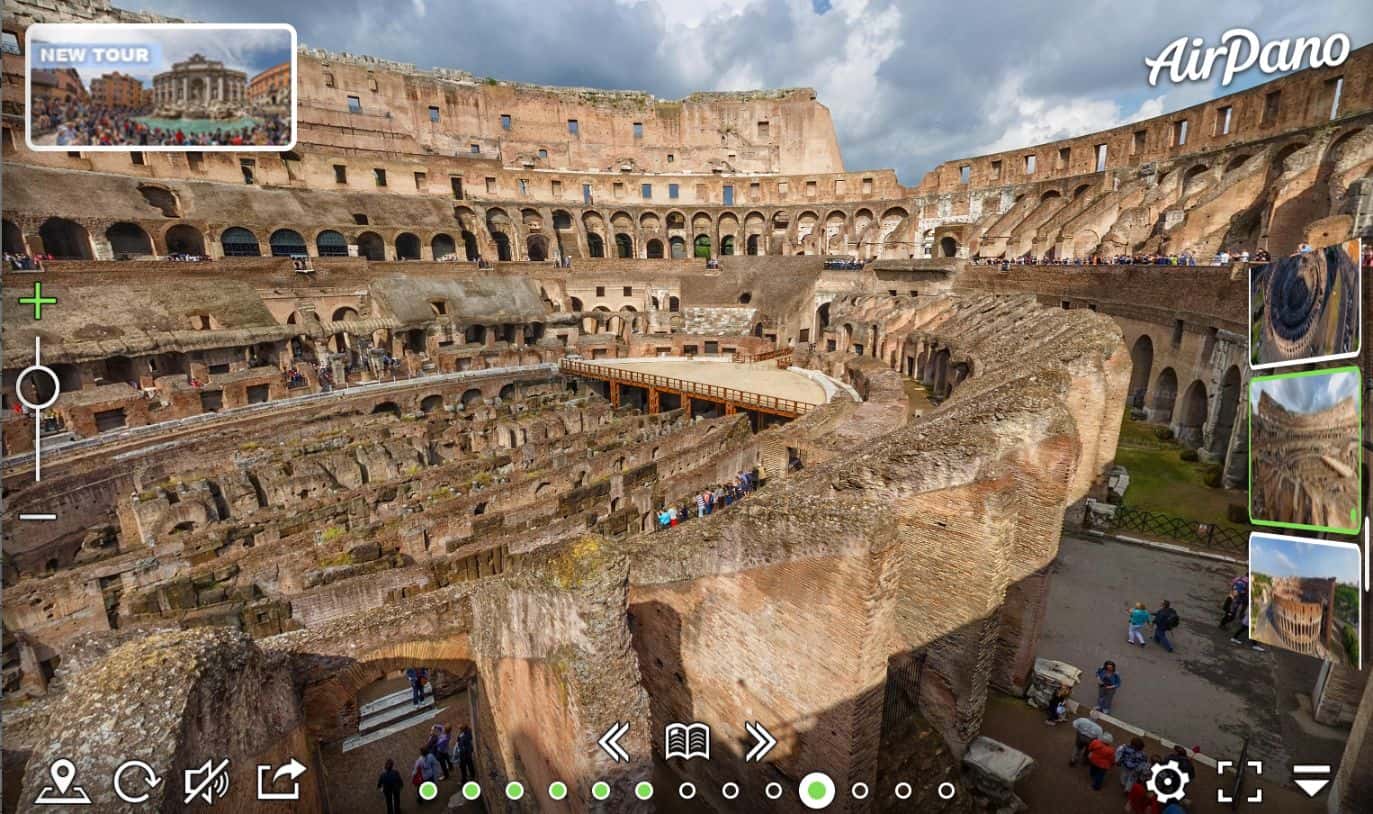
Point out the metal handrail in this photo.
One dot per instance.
(713, 392)
(775, 353)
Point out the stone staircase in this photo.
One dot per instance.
(388, 715)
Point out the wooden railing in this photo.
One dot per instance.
(709, 392)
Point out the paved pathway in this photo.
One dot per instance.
(1208, 693)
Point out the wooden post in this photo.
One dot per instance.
(686, 404)
(653, 400)
(614, 393)
(729, 408)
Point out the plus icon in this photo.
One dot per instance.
(38, 300)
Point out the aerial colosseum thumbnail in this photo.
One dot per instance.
(560, 417)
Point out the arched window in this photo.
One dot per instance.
(678, 247)
(239, 242)
(594, 245)
(701, 247)
(371, 246)
(502, 246)
(407, 246)
(287, 243)
(469, 245)
(331, 244)
(443, 247)
(185, 239)
(128, 240)
(655, 249)
(727, 245)
(65, 239)
(624, 245)
(537, 248)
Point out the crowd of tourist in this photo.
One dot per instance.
(25, 262)
(845, 263)
(1094, 746)
(79, 124)
(442, 750)
(711, 499)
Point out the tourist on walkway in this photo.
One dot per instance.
(443, 746)
(1139, 800)
(1087, 730)
(1101, 756)
(700, 504)
(1165, 619)
(1133, 762)
(390, 784)
(426, 768)
(1058, 705)
(1228, 608)
(462, 753)
(1139, 617)
(1107, 682)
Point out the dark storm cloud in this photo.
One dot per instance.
(910, 83)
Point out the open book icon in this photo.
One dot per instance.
(686, 741)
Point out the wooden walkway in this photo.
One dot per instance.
(733, 400)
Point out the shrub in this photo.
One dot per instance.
(1237, 513)
(1163, 433)
(1213, 476)
(1189, 455)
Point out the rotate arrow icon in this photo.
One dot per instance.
(609, 742)
(764, 738)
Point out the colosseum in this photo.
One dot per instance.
(1306, 464)
(418, 392)
(1301, 611)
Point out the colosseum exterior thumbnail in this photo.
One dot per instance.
(350, 439)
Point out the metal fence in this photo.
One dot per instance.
(1179, 529)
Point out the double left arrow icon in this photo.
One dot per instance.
(610, 742)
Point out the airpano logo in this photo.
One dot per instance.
(1186, 60)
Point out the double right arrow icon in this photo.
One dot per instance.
(609, 742)
(764, 741)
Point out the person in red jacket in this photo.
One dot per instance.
(1101, 756)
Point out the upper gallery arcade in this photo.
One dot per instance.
(510, 171)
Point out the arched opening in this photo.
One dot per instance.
(65, 239)
(1237, 162)
(948, 247)
(371, 246)
(331, 244)
(162, 199)
(595, 247)
(13, 238)
(431, 403)
(575, 303)
(502, 246)
(822, 318)
(727, 245)
(286, 243)
(407, 246)
(751, 247)
(674, 305)
(471, 397)
(678, 246)
(701, 246)
(443, 247)
(1165, 394)
(1230, 396)
(469, 245)
(1081, 190)
(654, 248)
(239, 242)
(1142, 360)
(387, 407)
(1193, 418)
(128, 240)
(536, 247)
(624, 245)
(344, 314)
(508, 392)
(185, 239)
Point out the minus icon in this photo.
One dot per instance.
(41, 516)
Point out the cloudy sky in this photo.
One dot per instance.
(1280, 557)
(911, 83)
(1307, 394)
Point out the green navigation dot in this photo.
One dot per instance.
(470, 790)
(816, 790)
(600, 790)
(557, 789)
(643, 790)
(514, 790)
(429, 790)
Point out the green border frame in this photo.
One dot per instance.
(1356, 521)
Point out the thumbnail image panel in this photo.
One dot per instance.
(1304, 451)
(1305, 307)
(1304, 596)
(165, 86)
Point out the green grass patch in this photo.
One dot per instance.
(1161, 481)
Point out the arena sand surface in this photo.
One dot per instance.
(760, 377)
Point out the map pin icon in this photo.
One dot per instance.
(63, 772)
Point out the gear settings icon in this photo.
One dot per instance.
(1167, 781)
